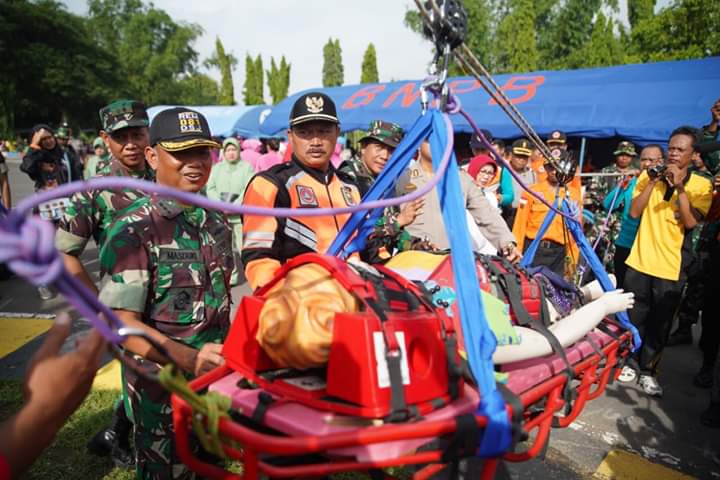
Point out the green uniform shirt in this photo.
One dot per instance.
(172, 264)
(91, 213)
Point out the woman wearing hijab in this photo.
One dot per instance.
(227, 183)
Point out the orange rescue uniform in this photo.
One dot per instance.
(268, 242)
(532, 212)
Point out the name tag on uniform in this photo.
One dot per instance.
(179, 256)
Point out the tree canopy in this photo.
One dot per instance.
(224, 62)
(369, 70)
(278, 79)
(522, 35)
(58, 66)
(333, 71)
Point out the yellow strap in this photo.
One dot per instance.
(212, 406)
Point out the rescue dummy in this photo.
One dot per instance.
(296, 322)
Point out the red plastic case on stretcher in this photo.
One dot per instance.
(395, 317)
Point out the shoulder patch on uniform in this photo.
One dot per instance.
(306, 196)
(178, 255)
(347, 193)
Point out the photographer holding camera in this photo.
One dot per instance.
(671, 201)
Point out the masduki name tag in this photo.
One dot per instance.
(179, 256)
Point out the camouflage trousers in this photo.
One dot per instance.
(153, 432)
(607, 233)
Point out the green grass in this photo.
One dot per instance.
(67, 457)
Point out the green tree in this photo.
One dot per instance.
(278, 79)
(153, 51)
(259, 80)
(480, 32)
(602, 49)
(571, 28)
(369, 73)
(639, 10)
(199, 89)
(517, 39)
(333, 72)
(52, 69)
(225, 62)
(683, 30)
(250, 90)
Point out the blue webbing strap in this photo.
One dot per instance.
(599, 270)
(384, 186)
(479, 340)
(529, 254)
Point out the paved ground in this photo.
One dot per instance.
(623, 434)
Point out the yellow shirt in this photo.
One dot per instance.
(657, 250)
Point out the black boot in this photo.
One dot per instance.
(115, 440)
(681, 336)
(711, 416)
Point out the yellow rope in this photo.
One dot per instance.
(212, 406)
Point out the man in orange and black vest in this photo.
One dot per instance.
(308, 180)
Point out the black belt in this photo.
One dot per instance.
(547, 244)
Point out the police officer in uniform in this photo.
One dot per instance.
(169, 268)
(308, 180)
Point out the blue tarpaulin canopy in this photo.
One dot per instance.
(220, 118)
(248, 125)
(643, 103)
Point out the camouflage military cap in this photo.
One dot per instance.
(62, 132)
(123, 114)
(387, 133)
(625, 148)
(521, 146)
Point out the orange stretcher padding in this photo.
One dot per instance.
(536, 382)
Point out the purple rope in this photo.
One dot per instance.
(27, 243)
(25, 207)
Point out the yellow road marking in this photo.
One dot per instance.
(621, 465)
(16, 332)
(108, 377)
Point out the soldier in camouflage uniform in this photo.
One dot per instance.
(125, 131)
(375, 150)
(89, 215)
(169, 268)
(597, 191)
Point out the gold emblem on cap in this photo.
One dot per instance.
(314, 104)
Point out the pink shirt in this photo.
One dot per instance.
(252, 157)
(268, 160)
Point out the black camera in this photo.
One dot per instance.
(656, 171)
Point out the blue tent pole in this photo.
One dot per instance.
(582, 153)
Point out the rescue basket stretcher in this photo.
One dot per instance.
(271, 420)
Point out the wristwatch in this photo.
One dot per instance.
(508, 248)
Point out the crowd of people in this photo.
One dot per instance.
(651, 215)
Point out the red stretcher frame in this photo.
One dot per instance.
(593, 379)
